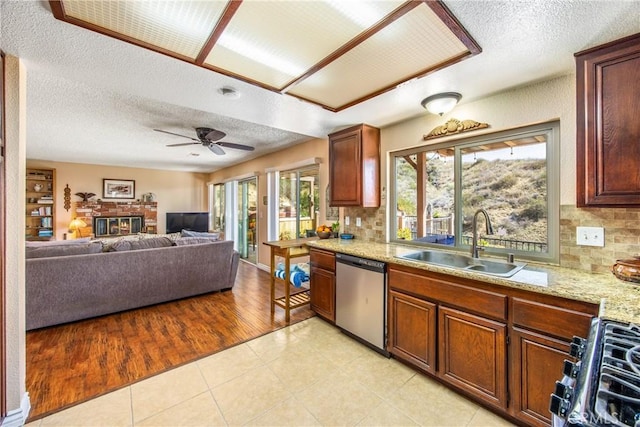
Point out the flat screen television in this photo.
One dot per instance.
(194, 221)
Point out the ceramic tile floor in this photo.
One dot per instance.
(307, 374)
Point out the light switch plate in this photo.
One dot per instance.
(590, 236)
(346, 220)
(358, 222)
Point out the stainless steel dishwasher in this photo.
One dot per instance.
(361, 292)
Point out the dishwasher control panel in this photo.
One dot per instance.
(361, 262)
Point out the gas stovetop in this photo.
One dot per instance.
(603, 387)
(617, 396)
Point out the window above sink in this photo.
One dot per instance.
(513, 175)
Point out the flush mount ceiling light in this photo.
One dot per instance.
(229, 92)
(441, 103)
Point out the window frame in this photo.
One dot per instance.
(551, 128)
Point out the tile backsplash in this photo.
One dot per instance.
(373, 228)
(621, 237)
(621, 234)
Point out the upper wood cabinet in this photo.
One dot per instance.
(608, 129)
(354, 167)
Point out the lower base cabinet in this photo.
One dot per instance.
(412, 330)
(323, 284)
(537, 362)
(323, 293)
(473, 354)
(504, 347)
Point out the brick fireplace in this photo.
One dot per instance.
(88, 211)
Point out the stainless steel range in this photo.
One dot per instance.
(603, 387)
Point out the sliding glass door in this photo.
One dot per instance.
(217, 208)
(247, 209)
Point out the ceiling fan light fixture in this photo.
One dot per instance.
(441, 103)
(229, 92)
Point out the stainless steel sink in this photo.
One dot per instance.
(465, 262)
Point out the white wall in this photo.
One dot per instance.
(536, 103)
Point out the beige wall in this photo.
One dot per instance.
(536, 103)
(283, 160)
(15, 86)
(174, 191)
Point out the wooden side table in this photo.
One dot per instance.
(287, 249)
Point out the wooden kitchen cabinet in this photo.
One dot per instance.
(502, 346)
(412, 330)
(608, 129)
(543, 327)
(473, 354)
(537, 362)
(354, 167)
(463, 324)
(323, 283)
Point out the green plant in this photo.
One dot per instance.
(404, 233)
(335, 226)
(285, 235)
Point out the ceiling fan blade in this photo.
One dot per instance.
(214, 135)
(236, 146)
(176, 134)
(215, 148)
(183, 143)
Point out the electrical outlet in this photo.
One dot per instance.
(358, 222)
(590, 236)
(346, 220)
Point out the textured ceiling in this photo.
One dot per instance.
(94, 99)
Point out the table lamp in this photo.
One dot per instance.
(75, 226)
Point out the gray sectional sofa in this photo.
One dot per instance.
(72, 287)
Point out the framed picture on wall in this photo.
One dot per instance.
(118, 189)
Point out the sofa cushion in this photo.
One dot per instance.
(63, 250)
(182, 241)
(172, 236)
(108, 242)
(39, 244)
(156, 242)
(119, 246)
(134, 245)
(189, 233)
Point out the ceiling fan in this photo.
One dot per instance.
(210, 138)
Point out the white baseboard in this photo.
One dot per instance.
(18, 417)
(264, 267)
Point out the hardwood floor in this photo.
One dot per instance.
(72, 363)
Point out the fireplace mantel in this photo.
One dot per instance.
(87, 211)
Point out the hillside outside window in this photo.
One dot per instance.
(513, 175)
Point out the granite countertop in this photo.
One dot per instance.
(620, 299)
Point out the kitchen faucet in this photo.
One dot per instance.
(474, 243)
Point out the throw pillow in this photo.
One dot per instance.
(189, 233)
(183, 241)
(108, 242)
(63, 250)
(157, 242)
(172, 236)
(120, 246)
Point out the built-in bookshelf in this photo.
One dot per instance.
(41, 210)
